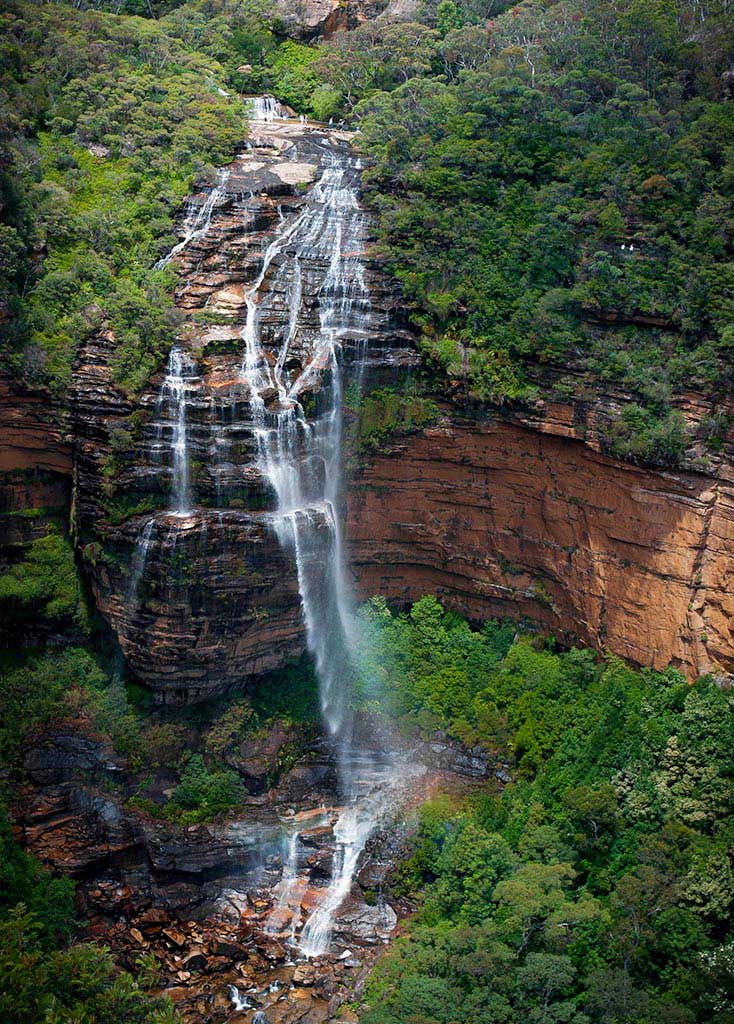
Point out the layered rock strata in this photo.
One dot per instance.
(502, 518)
(199, 601)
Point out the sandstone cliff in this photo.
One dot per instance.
(308, 19)
(503, 518)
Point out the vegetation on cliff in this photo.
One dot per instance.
(554, 188)
(108, 122)
(598, 886)
(553, 182)
(47, 974)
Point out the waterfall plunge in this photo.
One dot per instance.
(301, 459)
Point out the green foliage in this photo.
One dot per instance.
(204, 794)
(110, 120)
(639, 436)
(291, 694)
(23, 880)
(45, 584)
(293, 75)
(429, 666)
(553, 200)
(389, 411)
(77, 983)
(229, 728)
(34, 694)
(44, 976)
(595, 888)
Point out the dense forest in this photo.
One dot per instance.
(553, 188)
(598, 886)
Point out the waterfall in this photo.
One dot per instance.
(301, 459)
(375, 792)
(265, 108)
(140, 558)
(239, 1002)
(172, 400)
(196, 225)
(290, 890)
(179, 379)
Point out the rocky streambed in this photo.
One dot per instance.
(211, 914)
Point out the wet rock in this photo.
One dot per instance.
(304, 974)
(175, 629)
(361, 924)
(194, 852)
(195, 961)
(321, 863)
(447, 754)
(66, 754)
(226, 948)
(319, 837)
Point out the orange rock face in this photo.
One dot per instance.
(500, 519)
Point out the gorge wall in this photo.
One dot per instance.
(498, 516)
(503, 518)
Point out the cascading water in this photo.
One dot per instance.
(173, 397)
(140, 558)
(196, 225)
(301, 459)
(265, 108)
(171, 404)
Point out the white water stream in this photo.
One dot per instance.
(265, 108)
(173, 400)
(172, 409)
(301, 459)
(198, 219)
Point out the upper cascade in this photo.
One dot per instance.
(266, 108)
(227, 511)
